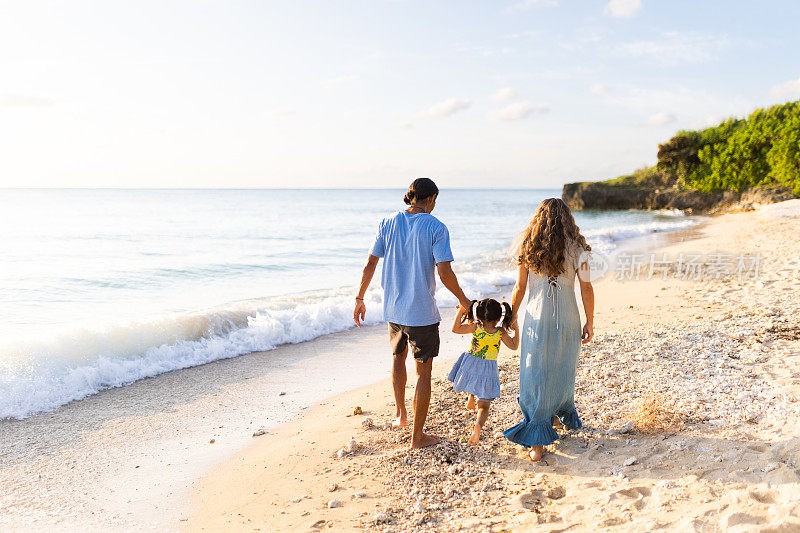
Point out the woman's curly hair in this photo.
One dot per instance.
(543, 244)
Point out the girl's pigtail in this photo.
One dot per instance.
(507, 318)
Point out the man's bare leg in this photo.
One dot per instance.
(422, 400)
(399, 386)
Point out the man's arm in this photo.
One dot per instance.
(366, 277)
(450, 281)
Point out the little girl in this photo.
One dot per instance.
(475, 371)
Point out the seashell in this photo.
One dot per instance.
(334, 503)
(351, 446)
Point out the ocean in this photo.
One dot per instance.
(102, 287)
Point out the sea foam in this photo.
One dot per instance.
(61, 367)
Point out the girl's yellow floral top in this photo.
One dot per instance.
(485, 345)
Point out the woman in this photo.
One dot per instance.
(549, 255)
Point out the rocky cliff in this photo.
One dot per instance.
(600, 195)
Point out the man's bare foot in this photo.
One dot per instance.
(424, 441)
(536, 453)
(471, 403)
(401, 421)
(476, 435)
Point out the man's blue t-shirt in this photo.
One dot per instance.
(411, 245)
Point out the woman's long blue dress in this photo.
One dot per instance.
(550, 342)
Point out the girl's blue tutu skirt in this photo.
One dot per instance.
(476, 376)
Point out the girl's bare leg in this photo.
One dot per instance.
(471, 403)
(483, 414)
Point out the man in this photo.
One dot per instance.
(413, 244)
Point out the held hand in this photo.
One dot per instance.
(358, 312)
(514, 327)
(588, 333)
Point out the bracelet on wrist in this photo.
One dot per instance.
(360, 299)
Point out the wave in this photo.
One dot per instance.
(43, 374)
(604, 240)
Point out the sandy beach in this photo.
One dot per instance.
(690, 399)
(716, 448)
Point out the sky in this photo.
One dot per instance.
(374, 93)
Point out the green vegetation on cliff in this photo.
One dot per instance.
(760, 150)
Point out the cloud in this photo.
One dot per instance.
(447, 108)
(525, 5)
(518, 111)
(278, 112)
(598, 88)
(786, 89)
(660, 119)
(623, 8)
(506, 94)
(673, 48)
(698, 108)
(340, 80)
(25, 100)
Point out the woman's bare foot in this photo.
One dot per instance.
(476, 435)
(557, 422)
(424, 441)
(536, 453)
(471, 403)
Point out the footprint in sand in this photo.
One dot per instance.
(762, 496)
(531, 500)
(535, 499)
(738, 519)
(632, 498)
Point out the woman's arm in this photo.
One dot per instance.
(458, 323)
(587, 295)
(519, 290)
(508, 340)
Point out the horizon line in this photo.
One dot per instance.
(268, 188)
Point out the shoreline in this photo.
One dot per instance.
(273, 497)
(129, 454)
